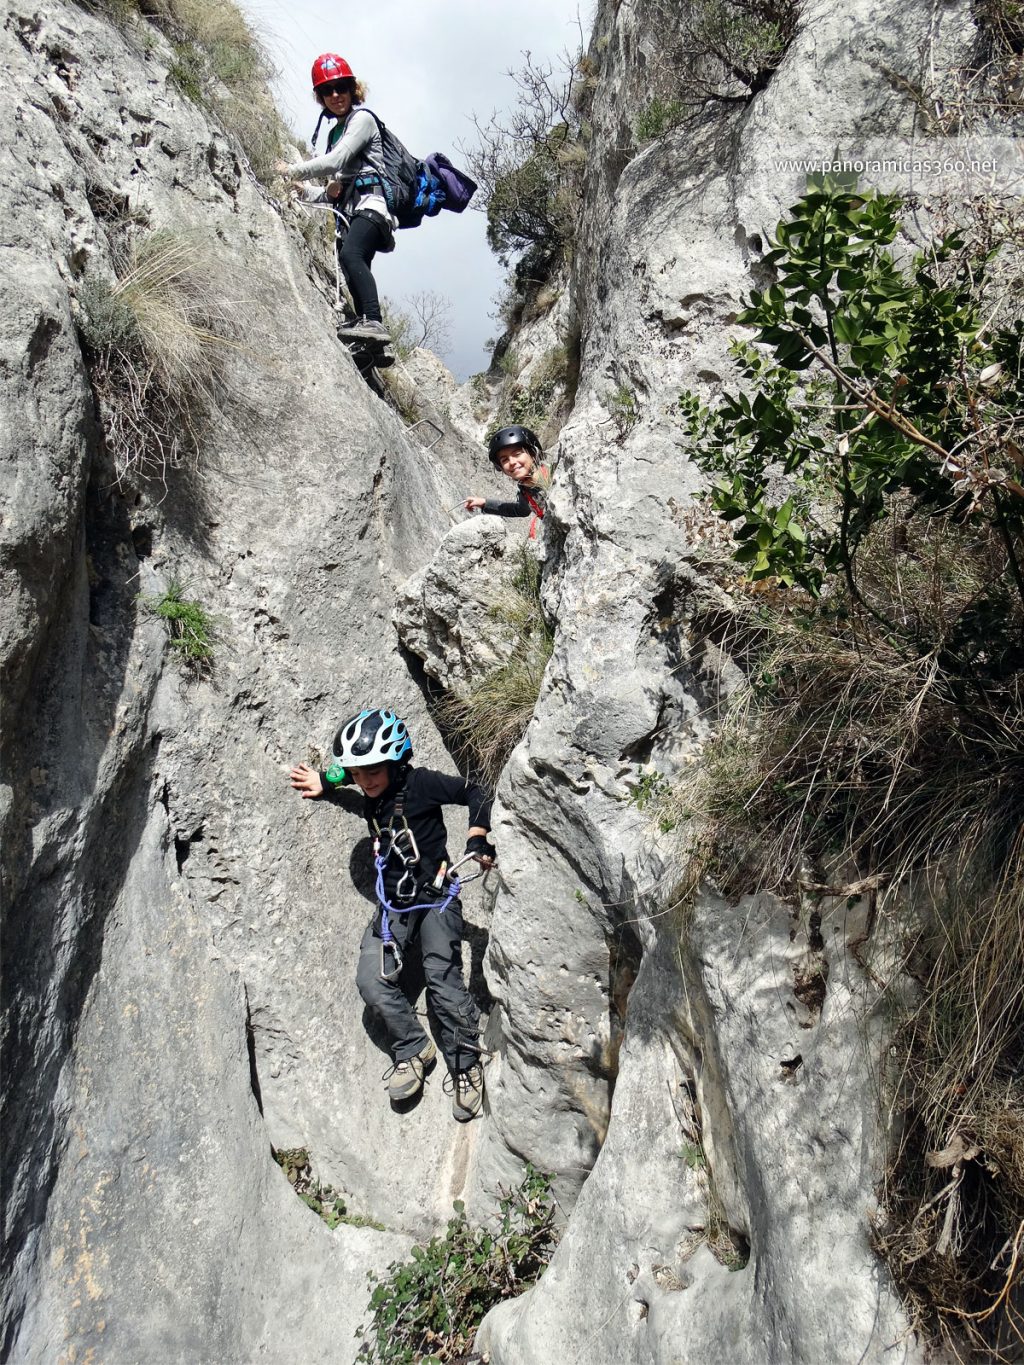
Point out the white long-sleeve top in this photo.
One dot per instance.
(356, 152)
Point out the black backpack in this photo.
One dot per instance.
(412, 188)
(403, 175)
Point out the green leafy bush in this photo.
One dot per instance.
(871, 468)
(913, 394)
(656, 118)
(529, 167)
(429, 1308)
(705, 52)
(748, 37)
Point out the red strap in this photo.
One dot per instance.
(535, 505)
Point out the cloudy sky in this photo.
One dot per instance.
(429, 65)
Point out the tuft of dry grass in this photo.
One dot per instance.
(861, 762)
(952, 1227)
(488, 719)
(158, 336)
(220, 62)
(847, 739)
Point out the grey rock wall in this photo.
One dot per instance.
(180, 929)
(624, 1030)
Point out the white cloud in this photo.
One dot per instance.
(429, 66)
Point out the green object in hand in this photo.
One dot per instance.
(335, 774)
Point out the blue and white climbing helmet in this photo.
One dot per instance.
(374, 736)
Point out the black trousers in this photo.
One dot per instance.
(365, 237)
(437, 939)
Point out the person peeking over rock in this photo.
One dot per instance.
(516, 452)
(354, 170)
(419, 913)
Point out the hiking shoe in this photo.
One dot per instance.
(467, 1092)
(405, 1078)
(364, 329)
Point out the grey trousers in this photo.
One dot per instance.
(437, 940)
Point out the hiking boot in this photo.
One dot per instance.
(364, 329)
(405, 1078)
(467, 1092)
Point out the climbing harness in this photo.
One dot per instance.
(402, 844)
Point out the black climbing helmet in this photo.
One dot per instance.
(512, 436)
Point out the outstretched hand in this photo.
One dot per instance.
(306, 780)
(474, 504)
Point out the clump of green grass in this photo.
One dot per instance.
(158, 337)
(325, 1202)
(190, 627)
(656, 118)
(428, 1309)
(489, 718)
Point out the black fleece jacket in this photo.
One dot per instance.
(520, 508)
(425, 792)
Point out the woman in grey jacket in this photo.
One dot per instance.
(354, 169)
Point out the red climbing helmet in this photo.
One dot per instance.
(330, 67)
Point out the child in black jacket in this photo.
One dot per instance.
(418, 905)
(516, 452)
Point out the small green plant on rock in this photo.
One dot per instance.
(625, 413)
(324, 1201)
(728, 1246)
(650, 788)
(656, 118)
(190, 627)
(427, 1309)
(530, 405)
(654, 793)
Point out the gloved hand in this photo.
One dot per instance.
(478, 847)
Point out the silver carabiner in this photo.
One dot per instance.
(414, 848)
(406, 888)
(448, 873)
(396, 955)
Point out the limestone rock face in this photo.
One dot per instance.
(626, 1033)
(445, 613)
(180, 928)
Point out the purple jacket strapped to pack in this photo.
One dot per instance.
(458, 187)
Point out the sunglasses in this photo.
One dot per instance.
(336, 88)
